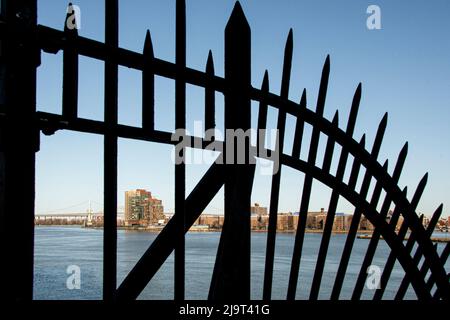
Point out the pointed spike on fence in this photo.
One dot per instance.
(424, 179)
(335, 120)
(303, 99)
(354, 110)
(383, 122)
(419, 191)
(210, 108)
(265, 82)
(436, 215)
(71, 15)
(237, 18)
(439, 209)
(326, 66)
(400, 162)
(404, 151)
(289, 47)
(323, 87)
(287, 65)
(290, 37)
(148, 45)
(362, 142)
(379, 136)
(210, 64)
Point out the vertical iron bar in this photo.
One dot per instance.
(307, 186)
(418, 254)
(357, 215)
(19, 141)
(371, 249)
(180, 169)
(276, 177)
(443, 258)
(148, 86)
(401, 235)
(321, 257)
(329, 149)
(70, 68)
(356, 167)
(210, 104)
(231, 276)
(299, 126)
(110, 153)
(262, 116)
(370, 252)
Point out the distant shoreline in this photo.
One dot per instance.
(158, 230)
(362, 234)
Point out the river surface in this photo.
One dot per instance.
(57, 248)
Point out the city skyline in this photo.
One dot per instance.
(402, 67)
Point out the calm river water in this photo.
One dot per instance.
(57, 248)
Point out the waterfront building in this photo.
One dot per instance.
(342, 222)
(258, 210)
(365, 224)
(141, 209)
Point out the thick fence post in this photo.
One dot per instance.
(19, 142)
(231, 278)
(110, 154)
(70, 69)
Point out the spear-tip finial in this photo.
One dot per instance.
(148, 44)
(210, 63)
(237, 18)
(265, 82)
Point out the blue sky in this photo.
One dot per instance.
(404, 69)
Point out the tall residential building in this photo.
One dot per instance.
(141, 209)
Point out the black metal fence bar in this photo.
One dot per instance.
(307, 185)
(429, 285)
(276, 177)
(70, 71)
(299, 127)
(356, 166)
(373, 244)
(231, 275)
(262, 116)
(342, 269)
(418, 254)
(210, 96)
(329, 149)
(372, 215)
(110, 154)
(148, 86)
(180, 168)
(360, 281)
(19, 141)
(401, 234)
(320, 264)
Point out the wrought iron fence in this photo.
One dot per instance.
(22, 42)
